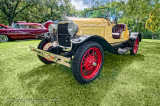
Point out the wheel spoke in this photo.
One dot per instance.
(88, 54)
(84, 65)
(93, 53)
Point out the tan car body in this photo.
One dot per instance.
(100, 27)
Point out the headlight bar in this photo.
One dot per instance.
(52, 28)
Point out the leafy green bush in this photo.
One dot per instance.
(147, 34)
(157, 34)
(150, 35)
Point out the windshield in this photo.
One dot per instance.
(94, 13)
(17, 26)
(97, 13)
(23, 26)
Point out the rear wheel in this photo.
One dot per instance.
(88, 61)
(135, 49)
(47, 46)
(4, 38)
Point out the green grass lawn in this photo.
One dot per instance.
(125, 80)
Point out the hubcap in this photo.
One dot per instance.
(94, 64)
(91, 63)
(3, 38)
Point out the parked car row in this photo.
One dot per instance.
(23, 30)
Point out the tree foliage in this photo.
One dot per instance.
(11, 8)
(134, 13)
(153, 23)
(51, 10)
(137, 13)
(34, 10)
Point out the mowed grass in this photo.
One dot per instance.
(125, 80)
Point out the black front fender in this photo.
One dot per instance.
(105, 45)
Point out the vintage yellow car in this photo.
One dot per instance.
(80, 43)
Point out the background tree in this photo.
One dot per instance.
(154, 18)
(136, 13)
(51, 10)
(11, 8)
(34, 10)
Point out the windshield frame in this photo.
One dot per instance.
(98, 9)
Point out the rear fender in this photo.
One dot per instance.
(133, 37)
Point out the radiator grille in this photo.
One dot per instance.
(63, 35)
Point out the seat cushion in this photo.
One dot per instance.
(116, 35)
(118, 28)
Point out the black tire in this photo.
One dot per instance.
(78, 60)
(53, 50)
(4, 38)
(135, 48)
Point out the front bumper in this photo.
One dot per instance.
(52, 57)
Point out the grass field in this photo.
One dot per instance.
(125, 80)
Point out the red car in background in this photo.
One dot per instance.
(3, 26)
(22, 30)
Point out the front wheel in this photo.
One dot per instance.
(47, 46)
(4, 38)
(87, 62)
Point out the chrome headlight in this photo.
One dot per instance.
(52, 28)
(72, 28)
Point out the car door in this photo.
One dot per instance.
(26, 33)
(37, 30)
(16, 31)
(32, 32)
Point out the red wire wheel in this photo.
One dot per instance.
(91, 63)
(135, 48)
(46, 47)
(87, 62)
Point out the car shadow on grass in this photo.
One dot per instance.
(113, 64)
(56, 84)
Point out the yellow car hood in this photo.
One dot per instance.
(82, 22)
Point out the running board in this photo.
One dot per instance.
(52, 57)
(124, 50)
